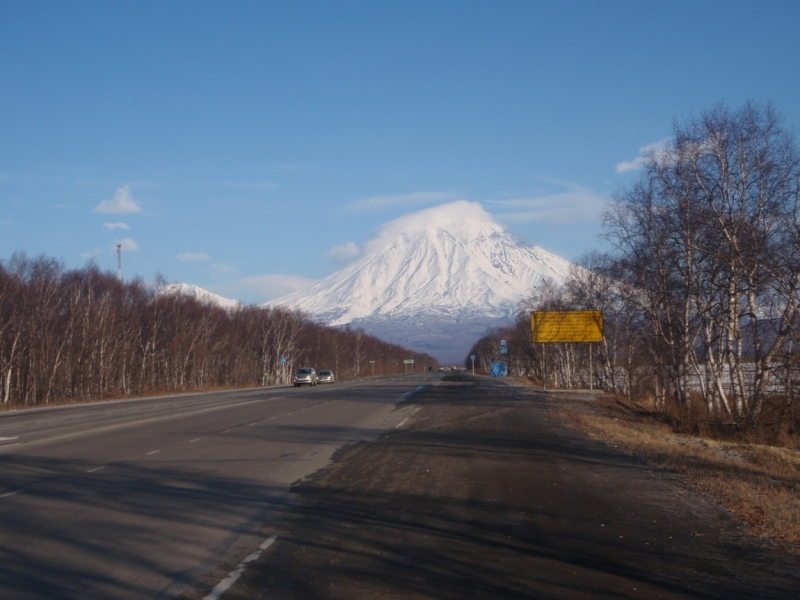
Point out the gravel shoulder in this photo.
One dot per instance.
(481, 493)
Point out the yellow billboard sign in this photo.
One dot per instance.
(567, 326)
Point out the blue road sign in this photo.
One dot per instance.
(499, 369)
(284, 359)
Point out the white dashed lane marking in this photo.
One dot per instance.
(95, 469)
(223, 585)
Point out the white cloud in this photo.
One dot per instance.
(374, 203)
(343, 253)
(656, 149)
(262, 288)
(450, 217)
(576, 203)
(189, 257)
(113, 226)
(92, 253)
(128, 245)
(121, 204)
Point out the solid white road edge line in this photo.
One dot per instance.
(223, 585)
(10, 494)
(401, 423)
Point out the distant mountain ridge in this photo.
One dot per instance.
(433, 280)
(203, 296)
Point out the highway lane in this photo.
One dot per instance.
(138, 498)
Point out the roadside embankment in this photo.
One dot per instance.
(758, 483)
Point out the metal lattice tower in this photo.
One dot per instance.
(119, 261)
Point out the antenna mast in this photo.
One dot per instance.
(119, 262)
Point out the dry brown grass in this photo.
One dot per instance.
(758, 483)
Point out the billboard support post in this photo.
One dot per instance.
(567, 326)
(544, 371)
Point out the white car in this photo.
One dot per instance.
(325, 376)
(306, 376)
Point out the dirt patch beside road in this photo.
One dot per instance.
(482, 494)
(756, 482)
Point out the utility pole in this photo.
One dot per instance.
(119, 262)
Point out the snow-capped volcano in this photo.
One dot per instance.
(446, 266)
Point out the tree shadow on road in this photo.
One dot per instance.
(482, 498)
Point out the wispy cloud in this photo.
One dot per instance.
(113, 226)
(262, 288)
(92, 253)
(645, 152)
(121, 204)
(223, 269)
(189, 257)
(575, 203)
(375, 203)
(128, 245)
(343, 253)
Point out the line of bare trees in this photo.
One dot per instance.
(701, 288)
(80, 335)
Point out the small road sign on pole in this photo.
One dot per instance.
(283, 369)
(472, 358)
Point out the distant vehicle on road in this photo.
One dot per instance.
(305, 375)
(325, 376)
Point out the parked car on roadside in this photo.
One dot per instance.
(305, 376)
(325, 376)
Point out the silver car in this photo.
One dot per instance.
(306, 376)
(325, 376)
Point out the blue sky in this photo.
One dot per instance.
(247, 147)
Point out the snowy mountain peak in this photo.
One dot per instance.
(449, 261)
(462, 220)
(201, 295)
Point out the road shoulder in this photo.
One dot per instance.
(482, 494)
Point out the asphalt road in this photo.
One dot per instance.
(142, 498)
(482, 493)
